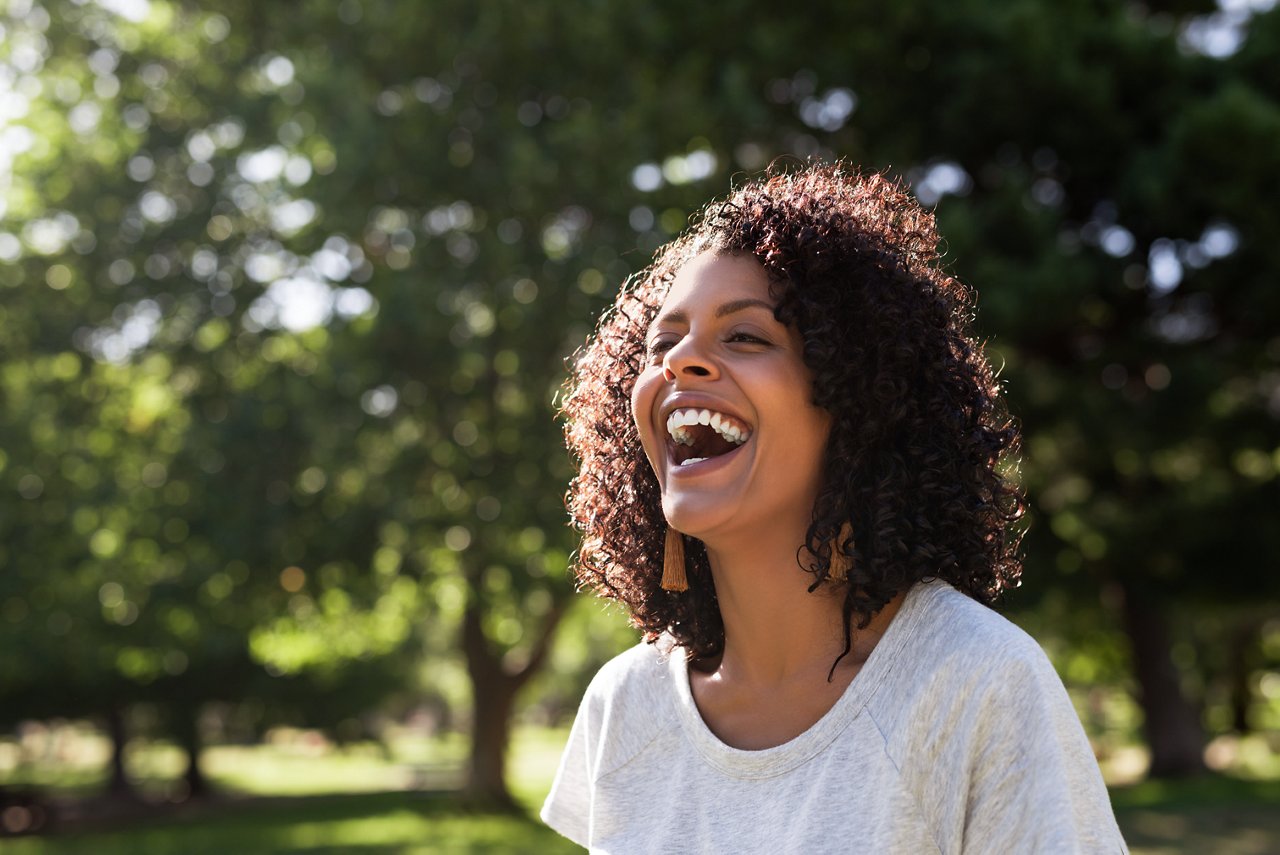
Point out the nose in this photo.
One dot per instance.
(687, 360)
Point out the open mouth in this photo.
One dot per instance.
(697, 435)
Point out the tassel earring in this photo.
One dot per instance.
(841, 563)
(673, 563)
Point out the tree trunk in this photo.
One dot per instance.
(490, 735)
(1243, 646)
(1171, 723)
(118, 783)
(187, 724)
(494, 688)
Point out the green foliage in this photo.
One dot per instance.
(288, 291)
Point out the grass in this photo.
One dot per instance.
(283, 797)
(369, 823)
(375, 815)
(1213, 814)
(73, 761)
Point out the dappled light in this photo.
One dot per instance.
(288, 294)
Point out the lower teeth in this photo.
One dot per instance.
(693, 460)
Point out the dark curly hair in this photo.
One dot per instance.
(917, 461)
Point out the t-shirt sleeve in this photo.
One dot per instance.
(567, 809)
(618, 718)
(1034, 785)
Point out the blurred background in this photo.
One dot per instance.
(286, 296)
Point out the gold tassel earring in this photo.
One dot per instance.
(673, 563)
(841, 563)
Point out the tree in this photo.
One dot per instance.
(320, 267)
(159, 461)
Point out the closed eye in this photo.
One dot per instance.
(747, 338)
(659, 346)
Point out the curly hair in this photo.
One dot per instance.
(919, 458)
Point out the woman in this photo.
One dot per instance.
(792, 473)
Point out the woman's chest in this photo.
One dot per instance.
(848, 798)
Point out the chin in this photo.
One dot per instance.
(689, 515)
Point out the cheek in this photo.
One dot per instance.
(812, 422)
(643, 398)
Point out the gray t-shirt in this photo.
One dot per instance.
(955, 737)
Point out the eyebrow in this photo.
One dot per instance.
(724, 309)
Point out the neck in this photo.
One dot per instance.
(775, 630)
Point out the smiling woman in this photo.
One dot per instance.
(790, 472)
(716, 348)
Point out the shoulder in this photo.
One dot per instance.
(956, 631)
(626, 707)
(985, 737)
(629, 702)
(637, 671)
(959, 655)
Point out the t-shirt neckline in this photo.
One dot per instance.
(780, 759)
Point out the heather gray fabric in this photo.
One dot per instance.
(955, 737)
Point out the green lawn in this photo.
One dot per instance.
(1219, 815)
(406, 822)
(409, 822)
(1215, 815)
(309, 817)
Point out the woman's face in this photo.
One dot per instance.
(716, 353)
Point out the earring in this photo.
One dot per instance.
(841, 563)
(673, 564)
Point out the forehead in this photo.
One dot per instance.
(709, 280)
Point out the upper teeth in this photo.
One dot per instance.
(724, 425)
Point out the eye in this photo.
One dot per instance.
(660, 345)
(741, 337)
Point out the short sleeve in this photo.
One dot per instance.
(567, 809)
(626, 709)
(1034, 784)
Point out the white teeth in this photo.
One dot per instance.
(693, 460)
(720, 423)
